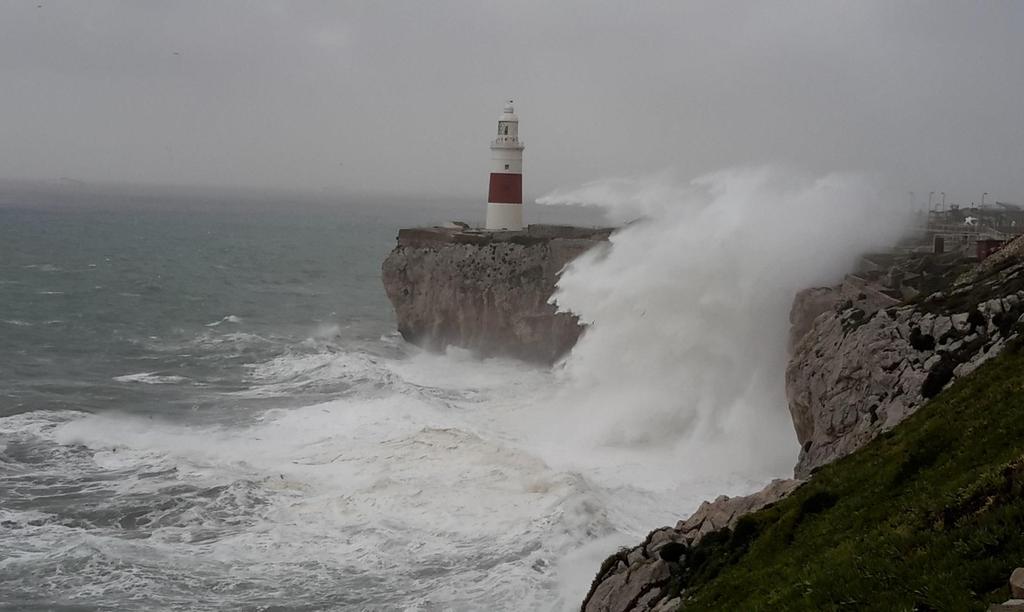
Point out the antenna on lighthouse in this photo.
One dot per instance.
(505, 192)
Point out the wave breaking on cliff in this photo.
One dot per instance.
(688, 309)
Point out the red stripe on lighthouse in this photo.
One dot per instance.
(505, 189)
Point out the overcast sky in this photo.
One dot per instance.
(404, 96)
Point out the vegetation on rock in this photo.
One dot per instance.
(928, 516)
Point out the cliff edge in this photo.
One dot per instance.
(864, 360)
(487, 291)
(910, 441)
(924, 517)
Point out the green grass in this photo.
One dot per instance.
(929, 516)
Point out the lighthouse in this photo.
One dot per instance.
(505, 195)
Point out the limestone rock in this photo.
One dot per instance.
(636, 579)
(1017, 583)
(668, 605)
(623, 590)
(726, 511)
(808, 305)
(486, 291)
(863, 367)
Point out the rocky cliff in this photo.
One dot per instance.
(868, 360)
(487, 291)
(865, 355)
(640, 578)
(924, 517)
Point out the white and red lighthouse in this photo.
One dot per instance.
(505, 195)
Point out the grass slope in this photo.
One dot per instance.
(929, 516)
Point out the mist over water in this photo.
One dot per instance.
(211, 410)
(688, 309)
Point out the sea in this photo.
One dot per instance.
(204, 405)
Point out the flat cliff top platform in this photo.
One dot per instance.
(532, 234)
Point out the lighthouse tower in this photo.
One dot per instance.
(505, 196)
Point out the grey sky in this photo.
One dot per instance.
(403, 96)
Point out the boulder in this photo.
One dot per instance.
(633, 587)
(725, 511)
(668, 605)
(1017, 583)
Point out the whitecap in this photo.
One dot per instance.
(425, 483)
(426, 508)
(150, 378)
(227, 319)
(326, 331)
(46, 267)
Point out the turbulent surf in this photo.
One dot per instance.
(212, 411)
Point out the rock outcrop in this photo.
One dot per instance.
(1017, 583)
(1016, 604)
(487, 291)
(725, 511)
(864, 365)
(864, 356)
(640, 578)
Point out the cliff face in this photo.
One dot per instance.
(486, 291)
(863, 365)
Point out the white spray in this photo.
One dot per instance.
(436, 482)
(688, 312)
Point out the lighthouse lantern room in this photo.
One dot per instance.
(505, 196)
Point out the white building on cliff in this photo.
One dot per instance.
(505, 193)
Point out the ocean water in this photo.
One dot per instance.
(204, 404)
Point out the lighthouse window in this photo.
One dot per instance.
(506, 166)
